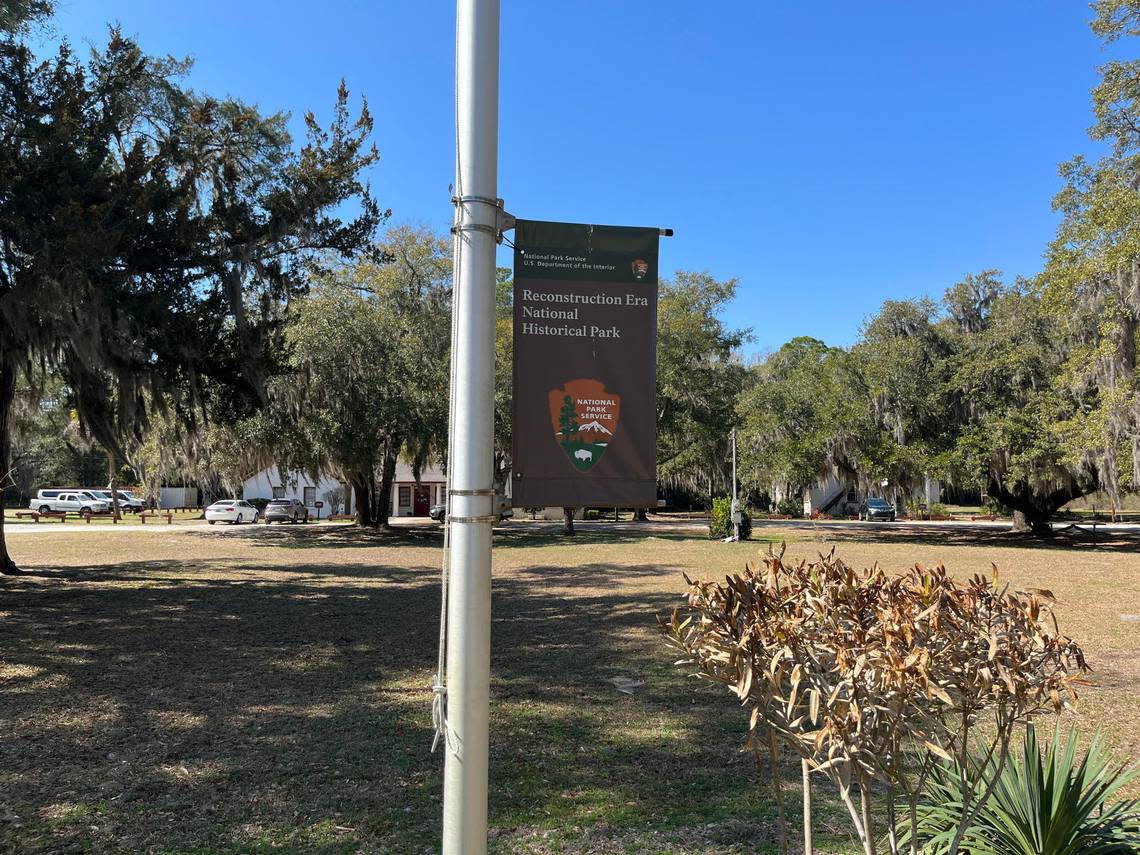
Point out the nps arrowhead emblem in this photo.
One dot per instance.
(584, 417)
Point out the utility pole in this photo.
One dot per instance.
(471, 511)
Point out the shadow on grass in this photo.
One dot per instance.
(960, 534)
(341, 536)
(152, 706)
(508, 535)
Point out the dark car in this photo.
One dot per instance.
(437, 512)
(876, 509)
(286, 510)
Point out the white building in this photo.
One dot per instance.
(841, 496)
(408, 498)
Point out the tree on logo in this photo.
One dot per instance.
(568, 417)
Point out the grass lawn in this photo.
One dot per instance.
(263, 689)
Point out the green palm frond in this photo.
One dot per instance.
(1046, 802)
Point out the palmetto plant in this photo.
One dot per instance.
(1045, 803)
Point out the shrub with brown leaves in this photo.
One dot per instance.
(870, 676)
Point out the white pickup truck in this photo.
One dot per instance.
(73, 502)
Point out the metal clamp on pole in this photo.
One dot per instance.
(485, 200)
(476, 227)
(487, 492)
(486, 518)
(504, 221)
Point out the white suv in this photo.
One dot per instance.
(74, 502)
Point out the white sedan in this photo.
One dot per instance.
(232, 511)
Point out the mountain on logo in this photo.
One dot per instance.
(577, 413)
(596, 426)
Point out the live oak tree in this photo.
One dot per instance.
(368, 368)
(966, 391)
(901, 357)
(1011, 410)
(1092, 278)
(699, 375)
(150, 237)
(802, 415)
(47, 445)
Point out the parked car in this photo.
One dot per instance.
(76, 502)
(502, 505)
(232, 511)
(876, 509)
(127, 501)
(286, 510)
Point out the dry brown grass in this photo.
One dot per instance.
(250, 690)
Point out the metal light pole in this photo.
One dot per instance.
(471, 500)
(735, 507)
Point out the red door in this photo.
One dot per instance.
(421, 501)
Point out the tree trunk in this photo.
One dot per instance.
(384, 500)
(568, 518)
(7, 396)
(1031, 523)
(113, 486)
(870, 842)
(805, 771)
(362, 488)
(1033, 511)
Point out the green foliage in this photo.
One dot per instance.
(153, 235)
(801, 407)
(790, 507)
(699, 375)
(1045, 802)
(720, 520)
(1092, 277)
(19, 15)
(504, 372)
(48, 447)
(965, 391)
(368, 360)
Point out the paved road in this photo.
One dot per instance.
(49, 528)
(656, 525)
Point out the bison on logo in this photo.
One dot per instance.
(585, 418)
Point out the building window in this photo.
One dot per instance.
(310, 496)
(279, 492)
(405, 497)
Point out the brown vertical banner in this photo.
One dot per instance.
(585, 365)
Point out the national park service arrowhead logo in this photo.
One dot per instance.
(585, 418)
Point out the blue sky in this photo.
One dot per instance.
(828, 155)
